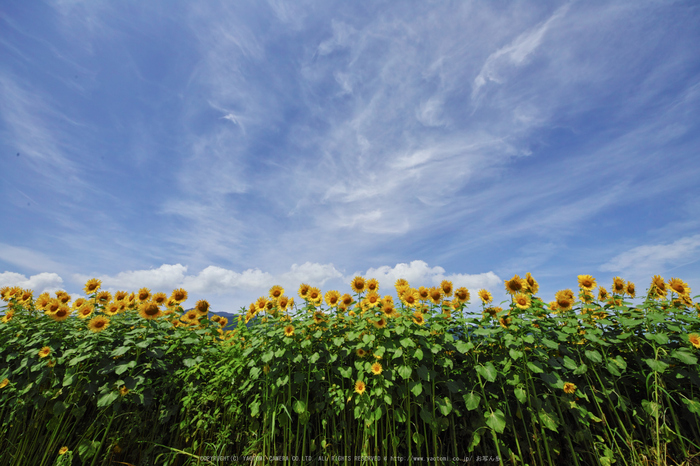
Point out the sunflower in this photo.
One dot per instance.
(410, 297)
(223, 322)
(679, 286)
(372, 285)
(8, 316)
(586, 282)
(694, 338)
(123, 391)
(435, 294)
(62, 297)
(360, 387)
(423, 293)
(288, 331)
(112, 309)
(149, 311)
(143, 295)
(26, 296)
(446, 287)
(314, 296)
(120, 295)
(97, 324)
(569, 388)
(586, 296)
(514, 285)
(372, 300)
(376, 368)
(358, 284)
(346, 301)
(388, 309)
(505, 321)
(381, 323)
(276, 292)
(630, 289)
(92, 286)
(531, 286)
(78, 303)
(85, 310)
(51, 363)
(522, 301)
(45, 351)
(63, 451)
(42, 301)
(485, 296)
(5, 293)
(319, 317)
(418, 318)
(104, 297)
(361, 353)
(160, 298)
(602, 294)
(565, 299)
(61, 314)
(618, 285)
(658, 285)
(4, 383)
(462, 295)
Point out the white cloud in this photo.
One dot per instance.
(27, 258)
(653, 259)
(39, 283)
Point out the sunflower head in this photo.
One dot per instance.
(586, 282)
(531, 285)
(522, 301)
(376, 368)
(104, 297)
(424, 293)
(360, 387)
(149, 310)
(618, 285)
(358, 284)
(418, 318)
(120, 295)
(314, 296)
(515, 285)
(485, 296)
(4, 383)
(63, 451)
(679, 287)
(61, 314)
(410, 297)
(97, 324)
(446, 287)
(602, 294)
(372, 285)
(288, 331)
(361, 353)
(144, 295)
(381, 323)
(462, 295)
(202, 307)
(435, 294)
(276, 292)
(630, 289)
(45, 351)
(569, 388)
(92, 286)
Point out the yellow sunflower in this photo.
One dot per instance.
(120, 295)
(276, 292)
(565, 299)
(61, 314)
(346, 301)
(423, 293)
(485, 296)
(85, 310)
(602, 294)
(319, 317)
(361, 353)
(514, 285)
(92, 286)
(531, 285)
(446, 287)
(618, 285)
(381, 323)
(304, 291)
(160, 298)
(569, 388)
(8, 316)
(288, 331)
(144, 295)
(223, 322)
(202, 307)
(522, 301)
(63, 451)
(658, 285)
(4, 383)
(388, 309)
(679, 286)
(78, 303)
(62, 297)
(112, 309)
(462, 295)
(149, 310)
(42, 301)
(372, 285)
(97, 324)
(376, 368)
(418, 318)
(694, 338)
(410, 297)
(261, 304)
(586, 282)
(630, 289)
(179, 295)
(505, 321)
(435, 294)
(104, 297)
(360, 387)
(315, 297)
(45, 351)
(358, 284)
(372, 300)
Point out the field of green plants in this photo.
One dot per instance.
(356, 378)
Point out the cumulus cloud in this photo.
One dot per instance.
(39, 283)
(419, 273)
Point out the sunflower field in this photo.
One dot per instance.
(356, 378)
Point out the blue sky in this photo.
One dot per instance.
(225, 147)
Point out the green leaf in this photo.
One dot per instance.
(496, 420)
(87, 449)
(693, 405)
(267, 357)
(476, 438)
(684, 357)
(406, 342)
(535, 367)
(120, 351)
(488, 371)
(660, 338)
(338, 341)
(59, 408)
(282, 381)
(69, 379)
(651, 408)
(314, 357)
(570, 363)
(416, 388)
(418, 354)
(423, 373)
(405, 371)
(581, 369)
(299, 407)
(612, 368)
(254, 408)
(529, 339)
(656, 366)
(521, 395)
(107, 399)
(417, 438)
(463, 347)
(367, 339)
(398, 353)
(255, 373)
(594, 356)
(472, 401)
(345, 372)
(548, 420)
(550, 344)
(445, 406)
(516, 354)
